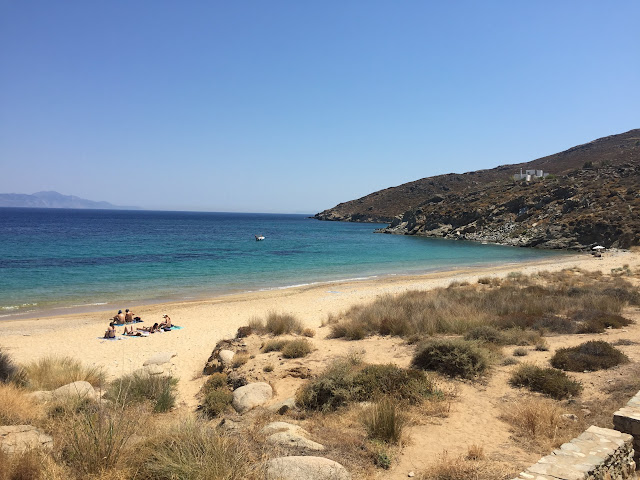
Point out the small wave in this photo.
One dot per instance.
(16, 307)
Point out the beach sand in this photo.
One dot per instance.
(205, 322)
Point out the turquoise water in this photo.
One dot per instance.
(55, 259)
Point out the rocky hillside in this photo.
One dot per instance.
(384, 205)
(587, 206)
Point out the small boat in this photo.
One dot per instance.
(259, 238)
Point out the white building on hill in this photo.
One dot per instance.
(528, 175)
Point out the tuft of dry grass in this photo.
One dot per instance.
(459, 468)
(17, 407)
(298, 348)
(239, 359)
(537, 422)
(475, 452)
(385, 421)
(189, 449)
(49, 373)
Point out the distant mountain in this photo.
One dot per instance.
(382, 206)
(55, 200)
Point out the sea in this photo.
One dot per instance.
(58, 261)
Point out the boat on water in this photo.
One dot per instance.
(259, 238)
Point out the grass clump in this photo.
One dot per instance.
(239, 359)
(17, 408)
(486, 333)
(384, 421)
(216, 395)
(456, 358)
(460, 468)
(274, 345)
(49, 373)
(520, 352)
(590, 356)
(348, 380)
(9, 371)
(598, 321)
(296, 348)
(138, 387)
(549, 381)
(192, 450)
(281, 324)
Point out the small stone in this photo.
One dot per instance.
(570, 416)
(411, 474)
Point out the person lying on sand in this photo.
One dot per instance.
(130, 332)
(153, 329)
(111, 331)
(166, 323)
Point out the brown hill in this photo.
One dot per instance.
(384, 205)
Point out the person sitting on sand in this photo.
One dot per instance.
(111, 331)
(119, 318)
(128, 316)
(153, 329)
(166, 323)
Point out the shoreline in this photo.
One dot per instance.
(206, 321)
(193, 296)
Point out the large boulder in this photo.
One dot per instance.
(226, 357)
(305, 468)
(20, 438)
(289, 435)
(251, 396)
(160, 358)
(79, 389)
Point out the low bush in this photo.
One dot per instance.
(193, 450)
(216, 401)
(456, 358)
(139, 387)
(16, 407)
(49, 373)
(346, 380)
(296, 348)
(384, 421)
(486, 333)
(239, 359)
(309, 332)
(244, 332)
(595, 321)
(517, 336)
(520, 352)
(550, 381)
(214, 382)
(21, 466)
(555, 324)
(591, 356)
(273, 345)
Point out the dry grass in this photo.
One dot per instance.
(385, 421)
(239, 359)
(193, 450)
(17, 408)
(537, 423)
(460, 468)
(9, 371)
(49, 373)
(522, 302)
(158, 390)
(298, 348)
(277, 324)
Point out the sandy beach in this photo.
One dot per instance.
(206, 322)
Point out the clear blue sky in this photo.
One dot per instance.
(295, 106)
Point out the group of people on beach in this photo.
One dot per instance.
(129, 318)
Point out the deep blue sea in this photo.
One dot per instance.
(57, 260)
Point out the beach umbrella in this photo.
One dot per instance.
(598, 247)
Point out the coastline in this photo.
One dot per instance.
(206, 321)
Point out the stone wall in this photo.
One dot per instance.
(596, 454)
(627, 420)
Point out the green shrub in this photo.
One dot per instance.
(456, 358)
(591, 356)
(138, 387)
(214, 382)
(346, 381)
(550, 381)
(216, 401)
(385, 421)
(296, 348)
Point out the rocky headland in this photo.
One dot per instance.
(589, 197)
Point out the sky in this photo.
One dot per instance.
(292, 106)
